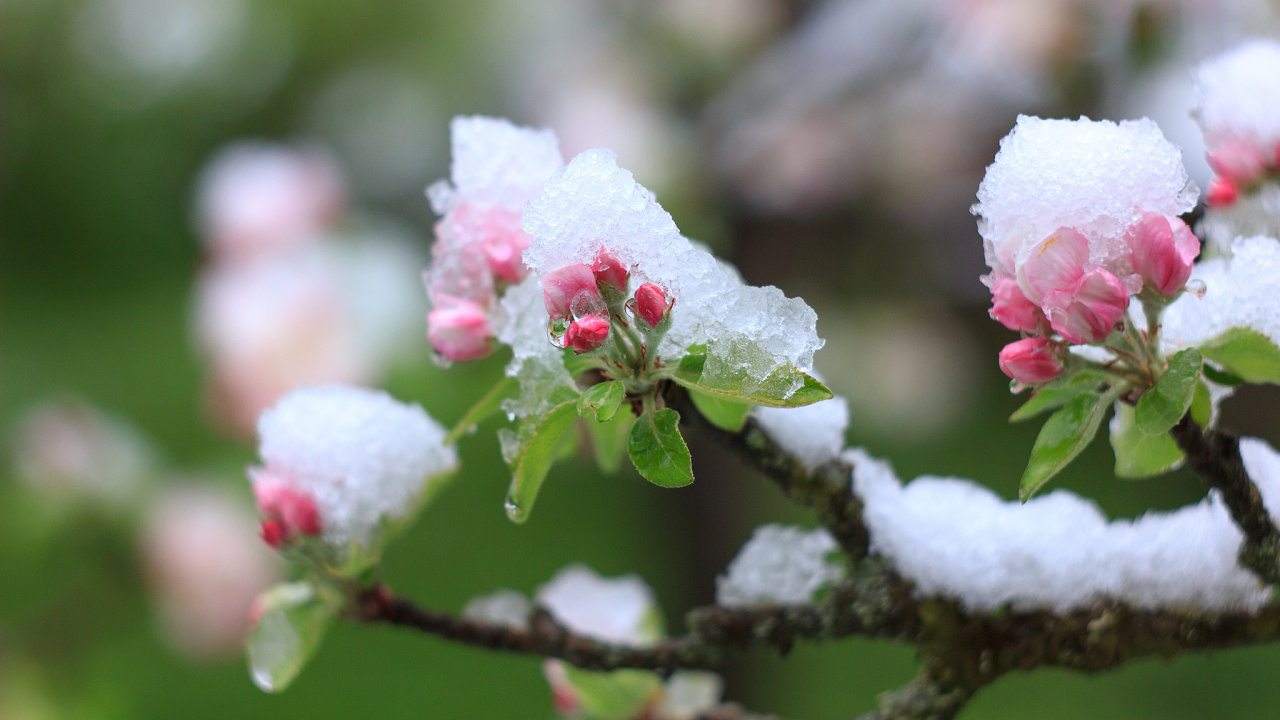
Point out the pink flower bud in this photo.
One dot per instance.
(609, 270)
(287, 512)
(504, 241)
(1236, 160)
(571, 292)
(1221, 193)
(1012, 309)
(459, 329)
(1162, 251)
(588, 333)
(1031, 360)
(1089, 311)
(1057, 263)
(651, 303)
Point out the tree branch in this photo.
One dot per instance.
(1215, 456)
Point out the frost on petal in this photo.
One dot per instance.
(1240, 291)
(621, 610)
(361, 455)
(1239, 98)
(1095, 177)
(592, 205)
(814, 434)
(956, 538)
(780, 565)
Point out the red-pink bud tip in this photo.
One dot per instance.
(651, 303)
(459, 330)
(587, 334)
(610, 271)
(1031, 360)
(273, 532)
(1221, 193)
(571, 292)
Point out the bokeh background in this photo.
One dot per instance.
(830, 148)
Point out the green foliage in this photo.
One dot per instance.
(292, 620)
(719, 411)
(1139, 455)
(770, 390)
(602, 400)
(540, 450)
(657, 449)
(1164, 404)
(489, 404)
(1246, 354)
(1054, 394)
(1065, 434)
(616, 695)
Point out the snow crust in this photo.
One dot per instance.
(620, 610)
(361, 455)
(1239, 96)
(814, 434)
(1058, 551)
(780, 565)
(1240, 291)
(1097, 177)
(504, 607)
(495, 162)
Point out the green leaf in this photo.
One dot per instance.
(616, 695)
(1056, 393)
(770, 390)
(292, 619)
(1202, 404)
(609, 440)
(1065, 434)
(658, 451)
(719, 411)
(1245, 353)
(1221, 377)
(602, 400)
(487, 406)
(539, 452)
(1139, 455)
(1164, 404)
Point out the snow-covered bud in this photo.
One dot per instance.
(587, 333)
(1011, 308)
(503, 241)
(1031, 360)
(1237, 161)
(651, 303)
(360, 457)
(610, 271)
(571, 292)
(1057, 263)
(1089, 310)
(459, 330)
(1221, 193)
(1162, 251)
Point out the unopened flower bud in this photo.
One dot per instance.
(1162, 251)
(1012, 309)
(651, 303)
(287, 512)
(587, 333)
(1031, 360)
(610, 271)
(1089, 311)
(571, 292)
(459, 330)
(1057, 263)
(1237, 160)
(1221, 192)
(504, 241)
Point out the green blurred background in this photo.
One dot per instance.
(794, 154)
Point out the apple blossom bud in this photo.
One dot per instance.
(587, 333)
(1221, 192)
(571, 292)
(1089, 311)
(610, 271)
(1031, 360)
(1162, 251)
(651, 303)
(504, 241)
(1236, 160)
(1055, 264)
(1012, 309)
(287, 512)
(459, 329)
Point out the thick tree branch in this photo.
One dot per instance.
(1215, 456)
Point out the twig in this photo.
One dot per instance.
(1215, 456)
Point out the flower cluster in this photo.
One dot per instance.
(497, 168)
(1239, 112)
(1077, 217)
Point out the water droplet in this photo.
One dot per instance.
(515, 513)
